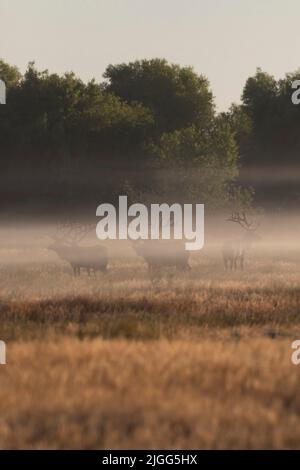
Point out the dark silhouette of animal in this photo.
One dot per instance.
(91, 258)
(162, 253)
(234, 252)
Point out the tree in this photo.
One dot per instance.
(177, 96)
(151, 128)
(274, 121)
(9, 74)
(52, 115)
(197, 165)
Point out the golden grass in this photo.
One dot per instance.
(95, 394)
(196, 360)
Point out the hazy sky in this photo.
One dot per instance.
(223, 39)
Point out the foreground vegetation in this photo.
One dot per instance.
(195, 360)
(122, 394)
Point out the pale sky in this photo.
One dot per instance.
(223, 39)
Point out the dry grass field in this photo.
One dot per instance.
(183, 360)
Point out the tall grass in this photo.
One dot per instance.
(195, 360)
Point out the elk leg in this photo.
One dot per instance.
(242, 263)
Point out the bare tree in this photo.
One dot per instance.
(66, 246)
(234, 252)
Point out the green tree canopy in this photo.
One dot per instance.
(9, 74)
(271, 121)
(150, 128)
(177, 96)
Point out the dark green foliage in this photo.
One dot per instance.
(268, 122)
(150, 126)
(177, 96)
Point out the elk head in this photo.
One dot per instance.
(249, 226)
(69, 234)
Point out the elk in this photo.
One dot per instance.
(92, 258)
(158, 254)
(234, 252)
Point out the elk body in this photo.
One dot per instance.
(159, 254)
(234, 252)
(92, 258)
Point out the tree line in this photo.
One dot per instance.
(149, 128)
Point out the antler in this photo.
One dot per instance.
(72, 232)
(242, 220)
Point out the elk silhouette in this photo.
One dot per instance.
(92, 258)
(159, 254)
(234, 252)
